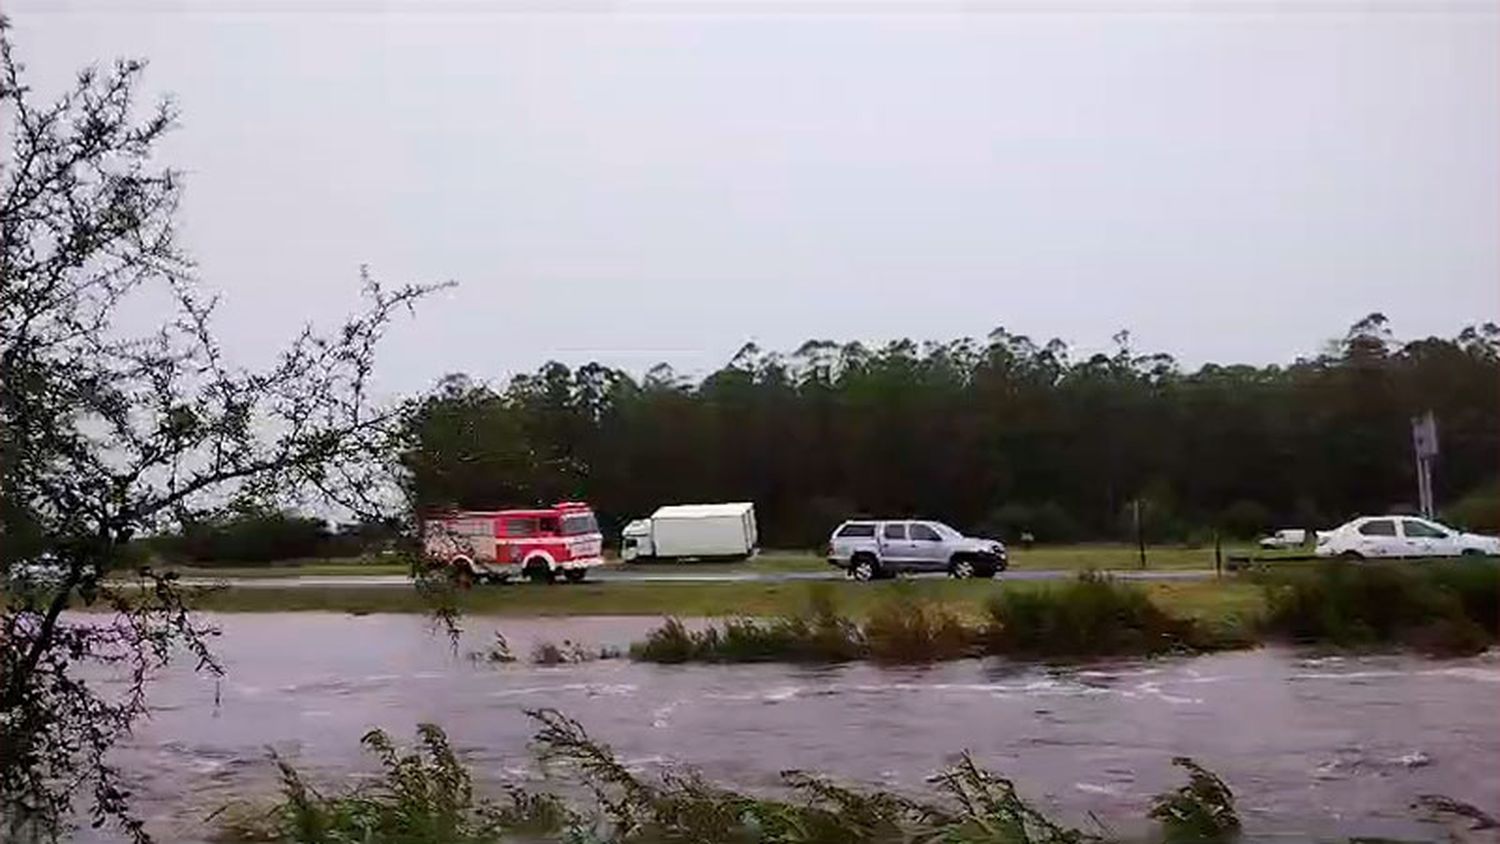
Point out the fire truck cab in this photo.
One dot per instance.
(497, 545)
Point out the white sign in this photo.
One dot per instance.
(1424, 435)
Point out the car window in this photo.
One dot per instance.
(1378, 527)
(895, 530)
(520, 525)
(923, 533)
(1421, 530)
(857, 529)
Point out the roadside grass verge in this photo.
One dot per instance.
(1441, 608)
(426, 795)
(1230, 598)
(1076, 557)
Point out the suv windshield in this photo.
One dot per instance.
(945, 531)
(578, 523)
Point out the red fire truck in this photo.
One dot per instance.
(496, 545)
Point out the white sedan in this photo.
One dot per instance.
(1372, 537)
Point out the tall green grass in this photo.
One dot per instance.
(818, 634)
(1443, 608)
(426, 796)
(1093, 616)
(1090, 616)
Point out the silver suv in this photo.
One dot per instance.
(875, 548)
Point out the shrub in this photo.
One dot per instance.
(498, 652)
(669, 643)
(1090, 616)
(1201, 811)
(907, 629)
(1440, 608)
(1477, 511)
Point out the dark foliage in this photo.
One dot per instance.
(1003, 434)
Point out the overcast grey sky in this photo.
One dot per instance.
(1231, 181)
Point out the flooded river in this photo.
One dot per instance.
(1311, 746)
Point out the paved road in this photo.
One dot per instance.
(619, 575)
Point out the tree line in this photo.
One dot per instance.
(1002, 435)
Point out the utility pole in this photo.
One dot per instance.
(1424, 444)
(1140, 536)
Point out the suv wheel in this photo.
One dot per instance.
(962, 568)
(864, 568)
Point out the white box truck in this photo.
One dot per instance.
(692, 531)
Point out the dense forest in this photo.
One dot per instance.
(1000, 435)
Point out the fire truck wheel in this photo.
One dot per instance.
(463, 576)
(537, 571)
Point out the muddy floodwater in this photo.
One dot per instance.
(1313, 747)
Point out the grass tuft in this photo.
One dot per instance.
(1201, 811)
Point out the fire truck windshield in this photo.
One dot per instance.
(579, 523)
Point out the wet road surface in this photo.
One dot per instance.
(1312, 746)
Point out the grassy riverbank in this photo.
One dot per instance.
(1100, 556)
(1227, 600)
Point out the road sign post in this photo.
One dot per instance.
(1424, 444)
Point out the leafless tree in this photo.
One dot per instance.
(107, 433)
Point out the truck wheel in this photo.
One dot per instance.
(1351, 556)
(864, 568)
(463, 575)
(575, 575)
(537, 571)
(962, 568)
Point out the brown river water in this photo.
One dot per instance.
(1314, 747)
